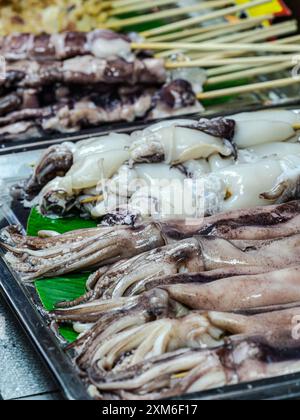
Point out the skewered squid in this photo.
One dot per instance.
(235, 187)
(178, 141)
(91, 248)
(54, 163)
(210, 144)
(272, 126)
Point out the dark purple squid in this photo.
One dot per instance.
(209, 257)
(92, 248)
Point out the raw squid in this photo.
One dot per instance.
(236, 187)
(178, 141)
(114, 344)
(272, 288)
(228, 188)
(90, 152)
(188, 371)
(93, 162)
(78, 250)
(54, 163)
(155, 302)
(129, 179)
(106, 195)
(84, 249)
(276, 326)
(174, 263)
(254, 128)
(212, 152)
(153, 339)
(269, 150)
(168, 140)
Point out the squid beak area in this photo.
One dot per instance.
(91, 200)
(275, 193)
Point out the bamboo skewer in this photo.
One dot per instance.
(232, 68)
(227, 38)
(256, 33)
(204, 18)
(208, 32)
(140, 6)
(289, 40)
(240, 67)
(178, 11)
(279, 30)
(253, 35)
(216, 46)
(250, 73)
(109, 4)
(272, 84)
(121, 3)
(224, 61)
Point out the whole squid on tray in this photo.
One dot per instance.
(120, 343)
(92, 152)
(193, 370)
(237, 293)
(167, 140)
(225, 149)
(91, 248)
(258, 290)
(173, 264)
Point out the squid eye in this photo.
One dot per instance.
(228, 195)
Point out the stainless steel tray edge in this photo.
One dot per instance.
(41, 336)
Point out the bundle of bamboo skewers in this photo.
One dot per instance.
(208, 34)
(229, 49)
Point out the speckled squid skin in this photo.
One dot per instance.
(197, 260)
(78, 250)
(93, 248)
(267, 289)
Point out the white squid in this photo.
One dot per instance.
(177, 144)
(255, 128)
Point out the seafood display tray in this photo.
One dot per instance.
(24, 302)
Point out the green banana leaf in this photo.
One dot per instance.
(37, 222)
(58, 289)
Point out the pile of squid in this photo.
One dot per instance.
(65, 82)
(173, 308)
(223, 164)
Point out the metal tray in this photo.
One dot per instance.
(25, 304)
